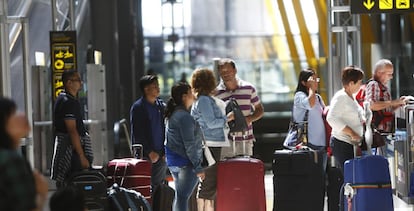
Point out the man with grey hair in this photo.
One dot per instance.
(379, 96)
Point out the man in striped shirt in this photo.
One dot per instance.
(245, 94)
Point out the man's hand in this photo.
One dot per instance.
(153, 156)
(84, 162)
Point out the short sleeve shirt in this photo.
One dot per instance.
(374, 92)
(67, 107)
(246, 97)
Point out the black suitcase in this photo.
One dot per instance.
(121, 199)
(298, 180)
(163, 198)
(335, 180)
(92, 183)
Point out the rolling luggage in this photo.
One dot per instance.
(240, 185)
(367, 184)
(335, 181)
(298, 180)
(131, 173)
(163, 198)
(92, 183)
(121, 199)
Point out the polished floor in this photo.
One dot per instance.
(399, 205)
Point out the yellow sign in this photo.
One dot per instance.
(385, 4)
(369, 4)
(402, 4)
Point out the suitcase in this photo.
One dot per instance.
(163, 198)
(367, 184)
(92, 183)
(121, 199)
(298, 180)
(131, 173)
(335, 181)
(240, 185)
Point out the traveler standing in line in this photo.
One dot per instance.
(346, 117)
(148, 129)
(21, 188)
(246, 96)
(307, 99)
(379, 97)
(183, 145)
(209, 112)
(72, 150)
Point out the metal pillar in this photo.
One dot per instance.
(346, 50)
(97, 112)
(71, 14)
(5, 89)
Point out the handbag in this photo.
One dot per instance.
(297, 133)
(208, 159)
(377, 140)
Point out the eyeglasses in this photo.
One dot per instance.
(76, 79)
(314, 79)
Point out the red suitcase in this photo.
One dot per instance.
(240, 185)
(131, 173)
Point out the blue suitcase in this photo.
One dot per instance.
(367, 184)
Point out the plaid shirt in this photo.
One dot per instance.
(17, 185)
(374, 92)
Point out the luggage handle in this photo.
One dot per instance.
(137, 151)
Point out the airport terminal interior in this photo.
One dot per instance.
(112, 43)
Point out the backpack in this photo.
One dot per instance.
(239, 123)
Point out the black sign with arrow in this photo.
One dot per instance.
(381, 6)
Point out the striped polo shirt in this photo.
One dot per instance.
(246, 97)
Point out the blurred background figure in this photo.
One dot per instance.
(21, 188)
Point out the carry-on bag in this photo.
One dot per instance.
(240, 185)
(367, 184)
(131, 173)
(92, 183)
(335, 180)
(121, 199)
(298, 180)
(163, 197)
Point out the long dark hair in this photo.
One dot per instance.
(304, 75)
(176, 99)
(7, 109)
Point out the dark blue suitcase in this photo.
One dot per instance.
(368, 178)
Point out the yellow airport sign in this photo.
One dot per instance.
(381, 6)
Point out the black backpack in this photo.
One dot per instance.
(121, 199)
(239, 123)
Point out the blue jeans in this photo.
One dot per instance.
(185, 180)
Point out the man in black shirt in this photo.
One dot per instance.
(72, 151)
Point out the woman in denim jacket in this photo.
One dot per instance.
(210, 114)
(183, 147)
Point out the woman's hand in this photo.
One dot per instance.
(230, 116)
(201, 175)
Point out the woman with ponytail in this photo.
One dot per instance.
(183, 145)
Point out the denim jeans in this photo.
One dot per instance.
(158, 173)
(185, 180)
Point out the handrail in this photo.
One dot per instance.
(117, 141)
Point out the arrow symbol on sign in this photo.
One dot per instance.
(369, 4)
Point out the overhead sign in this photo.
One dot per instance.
(63, 57)
(381, 6)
